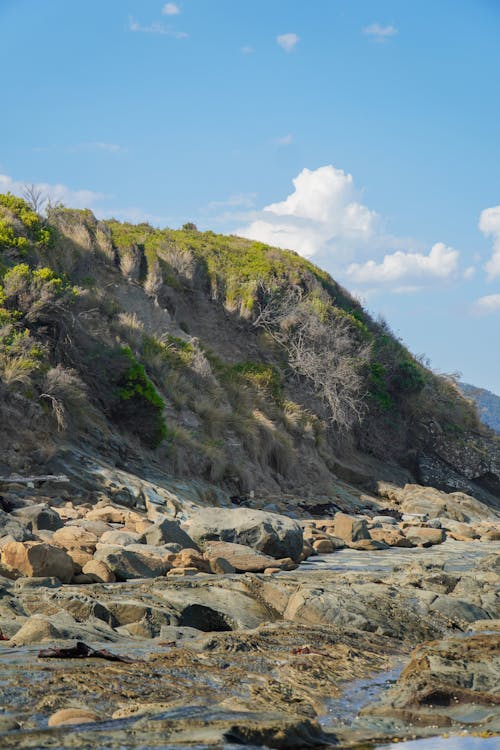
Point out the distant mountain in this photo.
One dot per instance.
(488, 404)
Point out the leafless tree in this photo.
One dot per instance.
(35, 197)
(326, 351)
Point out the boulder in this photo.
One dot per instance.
(36, 629)
(108, 514)
(323, 546)
(392, 537)
(39, 517)
(99, 571)
(350, 528)
(269, 533)
(165, 531)
(120, 538)
(243, 559)
(423, 536)
(12, 529)
(221, 566)
(37, 559)
(72, 716)
(190, 558)
(126, 564)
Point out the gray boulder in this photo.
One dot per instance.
(39, 517)
(126, 564)
(167, 532)
(270, 533)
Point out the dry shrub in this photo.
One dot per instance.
(66, 394)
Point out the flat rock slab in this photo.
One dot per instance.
(243, 559)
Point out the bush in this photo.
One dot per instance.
(139, 405)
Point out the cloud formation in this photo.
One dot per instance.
(380, 33)
(171, 9)
(288, 41)
(489, 224)
(487, 305)
(155, 28)
(322, 212)
(441, 263)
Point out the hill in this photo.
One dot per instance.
(488, 404)
(186, 355)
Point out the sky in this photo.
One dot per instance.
(364, 134)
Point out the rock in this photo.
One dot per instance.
(391, 537)
(75, 537)
(36, 629)
(72, 716)
(385, 520)
(190, 558)
(182, 572)
(165, 531)
(107, 513)
(441, 682)
(436, 504)
(39, 517)
(242, 558)
(272, 534)
(492, 535)
(350, 529)
(272, 571)
(99, 571)
(126, 564)
(13, 529)
(424, 536)
(368, 545)
(323, 546)
(120, 538)
(37, 559)
(456, 612)
(221, 566)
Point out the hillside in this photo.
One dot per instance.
(186, 355)
(488, 404)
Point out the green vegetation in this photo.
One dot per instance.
(14, 209)
(140, 407)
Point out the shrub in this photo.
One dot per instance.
(139, 405)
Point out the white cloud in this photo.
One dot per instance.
(171, 9)
(489, 224)
(285, 140)
(57, 192)
(442, 263)
(322, 213)
(380, 33)
(155, 28)
(287, 41)
(487, 305)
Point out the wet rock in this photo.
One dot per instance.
(243, 559)
(72, 716)
(350, 528)
(126, 564)
(269, 533)
(36, 559)
(443, 680)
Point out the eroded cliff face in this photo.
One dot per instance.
(145, 350)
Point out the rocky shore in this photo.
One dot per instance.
(145, 624)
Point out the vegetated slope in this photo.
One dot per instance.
(487, 403)
(213, 357)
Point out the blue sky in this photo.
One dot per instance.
(362, 133)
